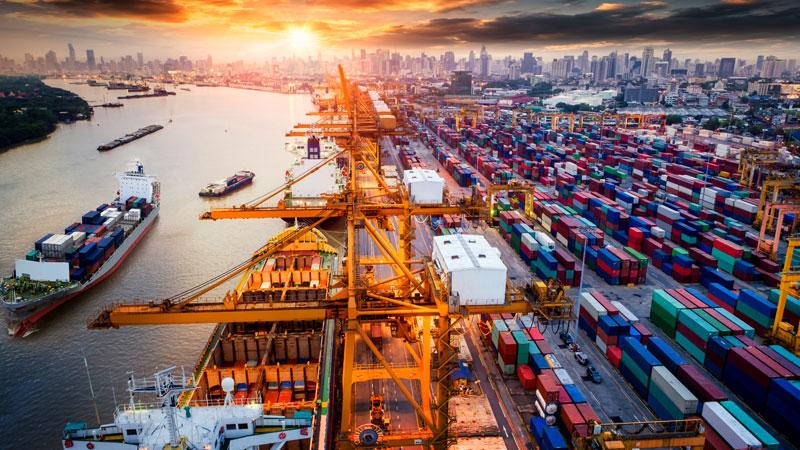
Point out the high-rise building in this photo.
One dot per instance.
(583, 61)
(759, 64)
(667, 56)
(471, 61)
(773, 67)
(648, 62)
(140, 59)
(449, 61)
(484, 72)
(514, 70)
(71, 60)
(50, 60)
(528, 63)
(90, 59)
(726, 67)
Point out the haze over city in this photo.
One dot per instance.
(253, 30)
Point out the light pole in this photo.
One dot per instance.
(583, 260)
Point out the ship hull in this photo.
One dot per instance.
(228, 190)
(23, 316)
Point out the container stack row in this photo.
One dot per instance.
(672, 387)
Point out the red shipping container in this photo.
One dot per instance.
(729, 248)
(757, 371)
(714, 441)
(526, 377)
(507, 347)
(612, 310)
(544, 347)
(588, 413)
(614, 355)
(782, 372)
(570, 416)
(642, 329)
(563, 397)
(698, 384)
(535, 334)
(548, 386)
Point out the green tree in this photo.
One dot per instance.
(673, 119)
(711, 124)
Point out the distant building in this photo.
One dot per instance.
(461, 82)
(640, 95)
(528, 63)
(726, 67)
(484, 72)
(90, 62)
(648, 62)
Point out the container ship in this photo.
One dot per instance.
(228, 185)
(255, 384)
(62, 266)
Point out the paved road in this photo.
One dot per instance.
(484, 367)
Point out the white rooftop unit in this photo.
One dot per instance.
(424, 186)
(474, 268)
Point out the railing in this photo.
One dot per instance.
(202, 363)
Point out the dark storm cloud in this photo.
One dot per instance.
(153, 10)
(612, 22)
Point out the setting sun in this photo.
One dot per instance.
(302, 38)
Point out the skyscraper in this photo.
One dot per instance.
(667, 56)
(726, 67)
(583, 61)
(140, 60)
(90, 59)
(449, 61)
(484, 72)
(71, 60)
(528, 63)
(471, 61)
(759, 64)
(50, 60)
(648, 62)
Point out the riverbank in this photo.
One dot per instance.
(30, 110)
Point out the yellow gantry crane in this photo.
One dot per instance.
(783, 332)
(413, 292)
(381, 216)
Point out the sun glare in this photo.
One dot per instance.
(301, 38)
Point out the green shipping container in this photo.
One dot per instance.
(522, 346)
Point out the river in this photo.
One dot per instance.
(209, 133)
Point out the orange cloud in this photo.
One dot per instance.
(610, 6)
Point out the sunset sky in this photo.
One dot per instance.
(256, 30)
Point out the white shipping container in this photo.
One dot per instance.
(730, 429)
(530, 242)
(626, 313)
(592, 306)
(600, 344)
(563, 376)
(545, 242)
(675, 391)
(78, 237)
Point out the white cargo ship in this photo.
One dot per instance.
(62, 266)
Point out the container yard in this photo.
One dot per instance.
(517, 279)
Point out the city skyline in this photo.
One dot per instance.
(255, 31)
